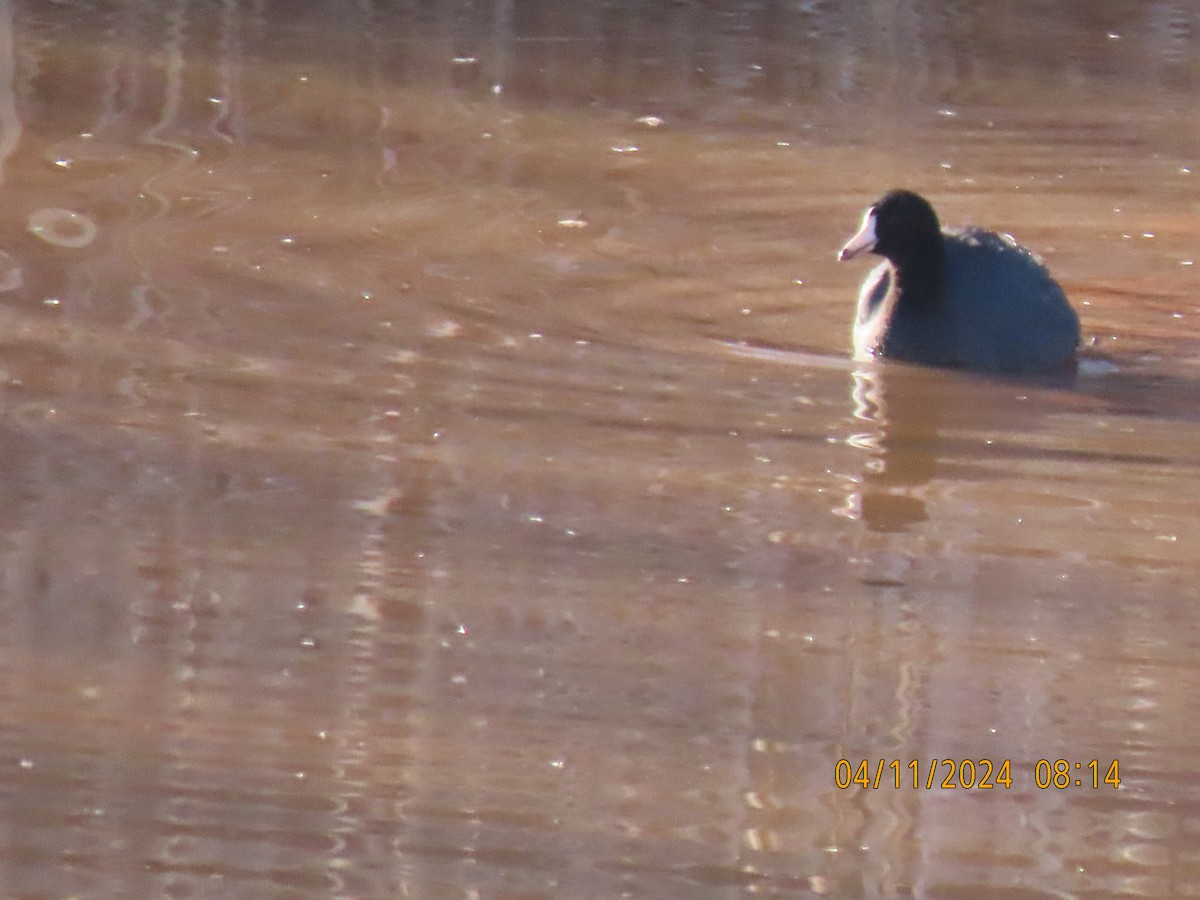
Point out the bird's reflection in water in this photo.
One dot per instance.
(922, 423)
(902, 416)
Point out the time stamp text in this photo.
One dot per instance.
(975, 774)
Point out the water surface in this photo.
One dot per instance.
(433, 464)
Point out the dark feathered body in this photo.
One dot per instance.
(966, 298)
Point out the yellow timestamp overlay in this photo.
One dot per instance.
(974, 774)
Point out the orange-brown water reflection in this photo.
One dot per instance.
(432, 465)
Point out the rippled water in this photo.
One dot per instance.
(433, 465)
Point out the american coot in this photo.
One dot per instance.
(966, 298)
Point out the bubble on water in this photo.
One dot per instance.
(62, 227)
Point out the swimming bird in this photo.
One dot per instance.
(966, 298)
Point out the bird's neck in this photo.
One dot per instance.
(922, 279)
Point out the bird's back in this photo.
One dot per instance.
(1006, 312)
